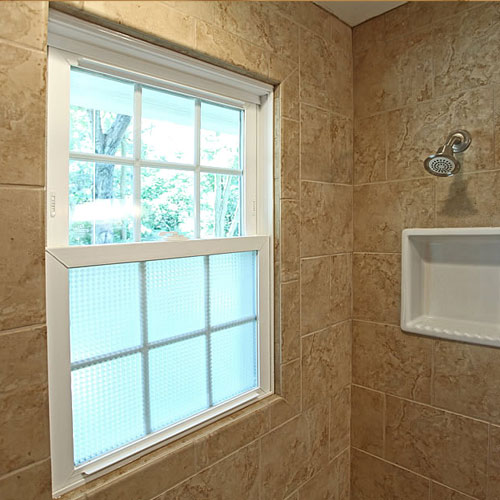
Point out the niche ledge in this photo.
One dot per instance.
(450, 285)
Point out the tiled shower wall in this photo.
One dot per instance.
(425, 413)
(295, 446)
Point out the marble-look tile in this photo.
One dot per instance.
(31, 483)
(290, 321)
(315, 294)
(24, 419)
(466, 379)
(367, 420)
(290, 391)
(237, 476)
(290, 240)
(146, 477)
(340, 287)
(415, 132)
(390, 75)
(293, 453)
(365, 34)
(326, 363)
(342, 146)
(374, 479)
(326, 219)
(231, 433)
(280, 69)
(386, 359)
(444, 446)
(440, 492)
(24, 23)
(369, 149)
(344, 475)
(231, 49)
(340, 421)
(465, 49)
(290, 96)
(382, 211)
(496, 132)
(494, 464)
(260, 24)
(22, 121)
(22, 282)
(152, 18)
(376, 282)
(315, 144)
(468, 200)
(323, 486)
(325, 74)
(201, 10)
(290, 159)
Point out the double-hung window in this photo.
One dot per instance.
(159, 217)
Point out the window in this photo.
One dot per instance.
(159, 214)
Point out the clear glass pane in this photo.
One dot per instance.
(175, 297)
(178, 381)
(220, 206)
(100, 203)
(232, 287)
(234, 361)
(101, 110)
(105, 313)
(220, 138)
(107, 406)
(167, 202)
(167, 126)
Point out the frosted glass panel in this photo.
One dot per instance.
(232, 285)
(176, 297)
(179, 387)
(104, 309)
(154, 343)
(107, 407)
(234, 361)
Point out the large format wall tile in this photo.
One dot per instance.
(290, 240)
(261, 25)
(340, 421)
(415, 132)
(24, 22)
(290, 321)
(326, 363)
(374, 479)
(294, 452)
(367, 432)
(24, 415)
(290, 161)
(369, 149)
(382, 211)
(376, 287)
(32, 483)
(341, 287)
(22, 293)
(468, 200)
(443, 446)
(494, 464)
(22, 121)
(290, 390)
(440, 492)
(466, 50)
(386, 359)
(466, 379)
(326, 219)
(237, 476)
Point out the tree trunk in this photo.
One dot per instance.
(106, 144)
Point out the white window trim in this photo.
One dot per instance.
(104, 50)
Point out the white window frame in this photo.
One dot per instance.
(77, 43)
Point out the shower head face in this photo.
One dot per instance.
(442, 165)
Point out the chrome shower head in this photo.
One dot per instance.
(444, 163)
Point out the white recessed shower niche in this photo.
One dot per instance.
(451, 284)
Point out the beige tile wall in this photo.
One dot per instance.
(424, 412)
(295, 446)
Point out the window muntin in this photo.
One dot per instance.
(145, 161)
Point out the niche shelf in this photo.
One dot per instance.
(451, 284)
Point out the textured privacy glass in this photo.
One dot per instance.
(154, 343)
